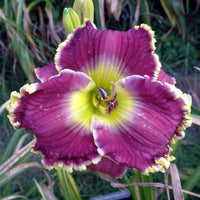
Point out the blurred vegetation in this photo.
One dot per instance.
(30, 31)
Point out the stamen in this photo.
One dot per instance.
(102, 92)
(106, 103)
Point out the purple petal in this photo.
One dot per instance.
(107, 166)
(108, 53)
(47, 110)
(163, 77)
(138, 136)
(44, 73)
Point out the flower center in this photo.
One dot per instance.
(105, 103)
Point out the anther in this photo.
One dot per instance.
(109, 103)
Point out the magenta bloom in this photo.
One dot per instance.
(104, 104)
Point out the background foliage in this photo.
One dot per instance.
(30, 31)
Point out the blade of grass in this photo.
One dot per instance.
(176, 7)
(3, 83)
(187, 6)
(3, 106)
(27, 25)
(148, 191)
(32, 4)
(48, 191)
(55, 38)
(25, 60)
(17, 36)
(19, 145)
(17, 156)
(34, 189)
(146, 12)
(16, 171)
(134, 190)
(192, 181)
(168, 11)
(41, 190)
(68, 186)
(96, 14)
(63, 185)
(14, 197)
(19, 13)
(6, 6)
(23, 56)
(139, 179)
(73, 186)
(101, 14)
(11, 145)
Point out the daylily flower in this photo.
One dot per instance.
(104, 104)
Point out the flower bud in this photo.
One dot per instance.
(71, 20)
(85, 9)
